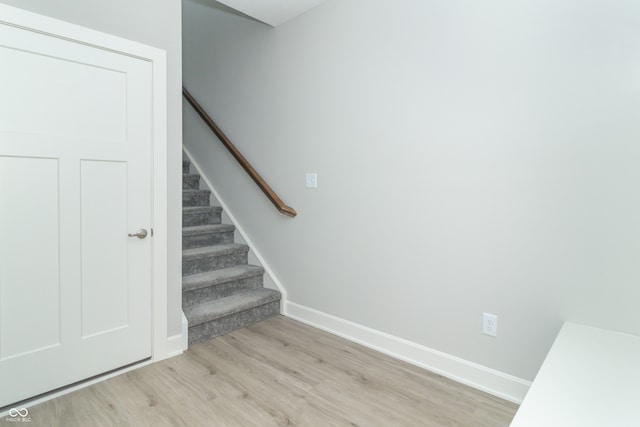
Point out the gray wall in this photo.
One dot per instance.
(472, 156)
(156, 23)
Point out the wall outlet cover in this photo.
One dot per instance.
(490, 324)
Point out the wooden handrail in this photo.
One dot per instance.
(255, 176)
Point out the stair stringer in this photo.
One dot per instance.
(271, 281)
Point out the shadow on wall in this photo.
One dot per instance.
(226, 9)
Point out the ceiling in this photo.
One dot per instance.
(272, 12)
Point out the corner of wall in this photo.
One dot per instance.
(178, 343)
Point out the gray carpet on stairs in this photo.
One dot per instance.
(220, 291)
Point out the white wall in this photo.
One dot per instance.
(472, 156)
(156, 23)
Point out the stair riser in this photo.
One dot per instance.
(185, 167)
(221, 290)
(195, 200)
(193, 219)
(190, 182)
(210, 263)
(217, 327)
(206, 239)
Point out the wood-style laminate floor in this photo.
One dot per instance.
(276, 373)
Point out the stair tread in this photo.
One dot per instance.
(227, 306)
(216, 277)
(201, 209)
(195, 191)
(214, 250)
(208, 228)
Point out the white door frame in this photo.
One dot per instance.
(157, 57)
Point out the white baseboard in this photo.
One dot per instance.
(180, 342)
(174, 345)
(477, 376)
(185, 332)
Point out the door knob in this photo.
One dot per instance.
(140, 234)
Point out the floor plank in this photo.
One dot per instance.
(276, 373)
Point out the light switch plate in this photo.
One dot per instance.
(312, 180)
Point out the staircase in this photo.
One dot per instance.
(220, 291)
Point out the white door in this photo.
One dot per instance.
(75, 179)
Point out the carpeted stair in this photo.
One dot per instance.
(220, 291)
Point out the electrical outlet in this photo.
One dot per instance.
(490, 324)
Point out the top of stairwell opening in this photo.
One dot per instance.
(272, 12)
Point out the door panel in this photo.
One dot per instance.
(75, 178)
(105, 284)
(33, 230)
(51, 86)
